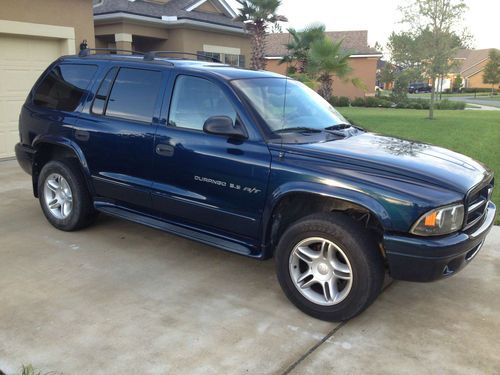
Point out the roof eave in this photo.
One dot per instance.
(178, 22)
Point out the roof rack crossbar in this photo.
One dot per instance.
(149, 56)
(86, 52)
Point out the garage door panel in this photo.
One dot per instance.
(22, 61)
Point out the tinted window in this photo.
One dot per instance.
(195, 100)
(102, 94)
(64, 87)
(133, 95)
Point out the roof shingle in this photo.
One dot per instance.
(354, 42)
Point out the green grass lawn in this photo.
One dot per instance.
(473, 133)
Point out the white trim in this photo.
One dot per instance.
(64, 33)
(367, 55)
(473, 74)
(181, 22)
(472, 66)
(225, 5)
(228, 8)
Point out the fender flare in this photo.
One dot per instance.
(353, 196)
(68, 144)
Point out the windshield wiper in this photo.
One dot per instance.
(303, 129)
(339, 126)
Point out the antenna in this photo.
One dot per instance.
(284, 96)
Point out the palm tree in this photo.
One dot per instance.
(258, 15)
(298, 47)
(326, 59)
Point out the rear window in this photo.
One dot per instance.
(133, 95)
(64, 87)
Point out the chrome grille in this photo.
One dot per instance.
(477, 204)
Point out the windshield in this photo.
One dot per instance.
(302, 107)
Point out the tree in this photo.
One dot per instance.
(258, 15)
(387, 74)
(325, 59)
(491, 73)
(433, 40)
(457, 83)
(300, 44)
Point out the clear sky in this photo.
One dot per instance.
(381, 17)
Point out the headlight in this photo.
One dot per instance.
(440, 221)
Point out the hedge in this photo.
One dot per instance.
(386, 102)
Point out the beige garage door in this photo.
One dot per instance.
(22, 60)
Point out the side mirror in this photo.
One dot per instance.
(223, 125)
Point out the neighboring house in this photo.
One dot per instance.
(363, 60)
(194, 26)
(32, 35)
(471, 66)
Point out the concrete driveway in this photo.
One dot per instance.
(119, 298)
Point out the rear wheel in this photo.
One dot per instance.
(64, 197)
(329, 266)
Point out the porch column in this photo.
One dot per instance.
(123, 41)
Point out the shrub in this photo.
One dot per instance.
(358, 102)
(448, 104)
(472, 90)
(339, 101)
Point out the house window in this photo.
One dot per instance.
(226, 58)
(209, 55)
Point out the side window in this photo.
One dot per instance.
(64, 87)
(195, 100)
(99, 105)
(133, 95)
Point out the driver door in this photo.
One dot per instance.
(206, 180)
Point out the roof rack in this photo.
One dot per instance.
(149, 56)
(86, 52)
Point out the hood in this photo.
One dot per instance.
(409, 159)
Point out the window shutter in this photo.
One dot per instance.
(241, 61)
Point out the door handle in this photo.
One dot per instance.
(82, 135)
(164, 150)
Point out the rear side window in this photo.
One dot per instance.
(195, 100)
(64, 87)
(133, 95)
(99, 105)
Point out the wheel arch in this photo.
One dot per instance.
(49, 148)
(289, 203)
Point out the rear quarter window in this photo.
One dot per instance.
(64, 87)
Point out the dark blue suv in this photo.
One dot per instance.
(254, 163)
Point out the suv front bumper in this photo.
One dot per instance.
(428, 259)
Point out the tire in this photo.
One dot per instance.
(353, 252)
(64, 197)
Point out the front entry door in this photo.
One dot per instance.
(207, 180)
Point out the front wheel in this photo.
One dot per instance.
(329, 266)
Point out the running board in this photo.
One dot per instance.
(179, 230)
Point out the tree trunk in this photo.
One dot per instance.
(258, 43)
(326, 86)
(433, 94)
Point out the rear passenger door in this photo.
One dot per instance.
(116, 133)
